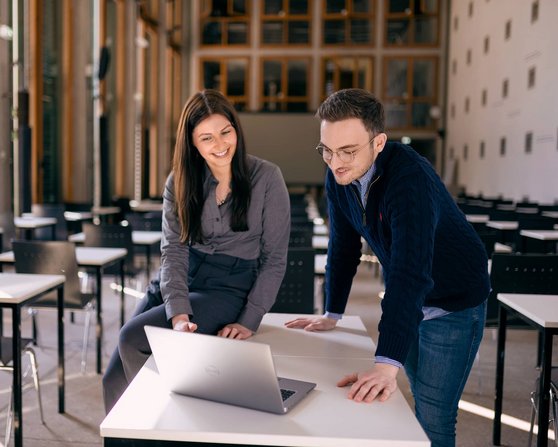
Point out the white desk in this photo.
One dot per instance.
(98, 259)
(549, 238)
(477, 218)
(504, 225)
(17, 290)
(321, 229)
(324, 418)
(320, 242)
(31, 223)
(146, 206)
(505, 207)
(77, 216)
(541, 311)
(553, 214)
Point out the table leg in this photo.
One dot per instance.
(16, 347)
(122, 296)
(61, 363)
(99, 330)
(544, 390)
(53, 232)
(500, 355)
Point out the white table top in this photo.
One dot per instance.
(321, 229)
(146, 206)
(542, 309)
(138, 237)
(31, 222)
(76, 216)
(505, 207)
(320, 261)
(502, 248)
(543, 235)
(348, 340)
(503, 224)
(148, 411)
(553, 214)
(86, 256)
(19, 287)
(477, 218)
(526, 210)
(320, 242)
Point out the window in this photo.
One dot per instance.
(505, 88)
(508, 30)
(531, 77)
(285, 22)
(224, 22)
(284, 84)
(469, 56)
(467, 103)
(412, 22)
(346, 72)
(465, 152)
(528, 142)
(348, 22)
(409, 91)
(484, 97)
(228, 75)
(481, 150)
(486, 44)
(534, 11)
(502, 146)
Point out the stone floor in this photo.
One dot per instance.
(79, 426)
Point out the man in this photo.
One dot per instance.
(434, 264)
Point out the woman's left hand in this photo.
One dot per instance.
(235, 330)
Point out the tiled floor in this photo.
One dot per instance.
(80, 425)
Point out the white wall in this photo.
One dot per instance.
(517, 174)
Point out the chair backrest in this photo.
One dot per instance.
(51, 258)
(145, 221)
(106, 235)
(55, 210)
(488, 239)
(296, 294)
(521, 273)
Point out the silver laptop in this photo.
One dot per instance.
(236, 372)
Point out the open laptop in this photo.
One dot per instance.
(236, 372)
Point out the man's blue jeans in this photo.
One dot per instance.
(438, 365)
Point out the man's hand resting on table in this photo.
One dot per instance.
(312, 324)
(235, 330)
(376, 383)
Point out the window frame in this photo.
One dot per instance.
(285, 19)
(347, 18)
(412, 24)
(205, 17)
(355, 59)
(223, 61)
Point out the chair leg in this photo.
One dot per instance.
(34, 327)
(86, 328)
(9, 418)
(35, 372)
(533, 398)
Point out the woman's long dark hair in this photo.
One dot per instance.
(189, 166)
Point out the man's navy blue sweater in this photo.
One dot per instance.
(430, 254)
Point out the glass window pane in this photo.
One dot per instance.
(334, 31)
(430, 6)
(361, 31)
(396, 114)
(211, 33)
(421, 115)
(361, 6)
(397, 78)
(335, 6)
(423, 78)
(399, 5)
(219, 8)
(398, 31)
(211, 75)
(296, 82)
(272, 32)
(298, 6)
(236, 77)
(272, 78)
(296, 107)
(426, 30)
(299, 32)
(237, 33)
(239, 106)
(273, 6)
(239, 7)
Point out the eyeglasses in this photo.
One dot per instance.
(344, 155)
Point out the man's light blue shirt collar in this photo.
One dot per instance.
(363, 182)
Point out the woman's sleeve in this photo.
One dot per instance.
(276, 224)
(174, 258)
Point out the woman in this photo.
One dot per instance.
(226, 222)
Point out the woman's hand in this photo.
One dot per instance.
(235, 330)
(377, 383)
(182, 323)
(312, 324)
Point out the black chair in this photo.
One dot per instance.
(55, 210)
(6, 358)
(109, 235)
(296, 294)
(145, 221)
(553, 405)
(533, 222)
(489, 239)
(301, 234)
(56, 258)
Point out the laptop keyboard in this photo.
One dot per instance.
(285, 394)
